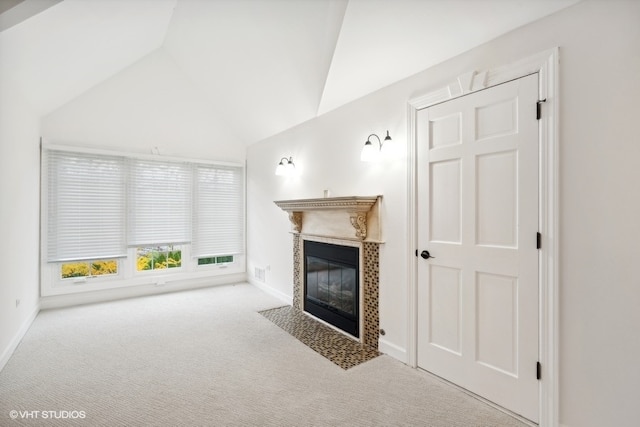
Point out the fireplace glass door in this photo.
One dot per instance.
(332, 284)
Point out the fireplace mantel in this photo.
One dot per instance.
(327, 216)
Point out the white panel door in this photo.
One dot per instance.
(478, 219)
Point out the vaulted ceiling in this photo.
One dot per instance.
(263, 65)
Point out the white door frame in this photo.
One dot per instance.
(546, 65)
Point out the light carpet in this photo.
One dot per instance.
(208, 358)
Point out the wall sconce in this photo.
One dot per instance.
(372, 152)
(286, 167)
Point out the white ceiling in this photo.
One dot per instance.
(264, 65)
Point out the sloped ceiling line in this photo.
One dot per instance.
(336, 18)
(13, 12)
(264, 65)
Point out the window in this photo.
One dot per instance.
(215, 260)
(158, 257)
(101, 267)
(218, 211)
(117, 217)
(159, 200)
(86, 210)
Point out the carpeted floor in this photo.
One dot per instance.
(208, 358)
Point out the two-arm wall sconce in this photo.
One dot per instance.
(371, 152)
(286, 167)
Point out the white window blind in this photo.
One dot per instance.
(86, 206)
(218, 211)
(159, 197)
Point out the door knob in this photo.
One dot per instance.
(426, 255)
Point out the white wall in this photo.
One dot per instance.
(600, 205)
(19, 216)
(150, 104)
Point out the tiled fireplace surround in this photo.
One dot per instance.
(350, 221)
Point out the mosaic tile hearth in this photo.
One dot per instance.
(324, 340)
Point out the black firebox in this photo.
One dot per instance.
(331, 284)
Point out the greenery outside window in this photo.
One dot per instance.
(225, 259)
(158, 257)
(95, 268)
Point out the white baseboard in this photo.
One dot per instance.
(60, 301)
(392, 350)
(13, 344)
(287, 299)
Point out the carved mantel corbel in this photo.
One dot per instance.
(296, 221)
(359, 222)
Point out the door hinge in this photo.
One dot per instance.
(538, 240)
(539, 109)
(538, 371)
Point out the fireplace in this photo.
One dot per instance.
(332, 283)
(353, 224)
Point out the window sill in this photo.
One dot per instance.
(161, 279)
